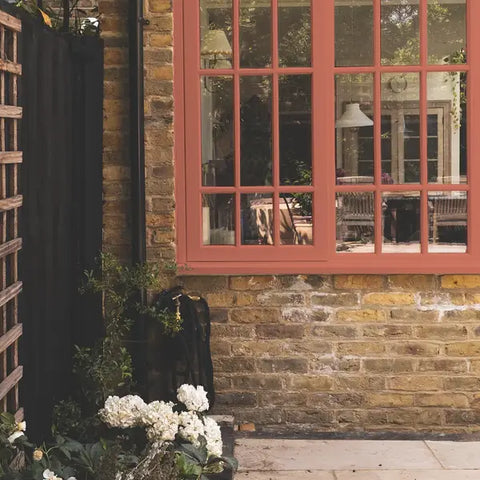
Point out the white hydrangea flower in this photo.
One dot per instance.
(14, 436)
(190, 427)
(154, 411)
(49, 475)
(195, 399)
(213, 436)
(162, 422)
(123, 412)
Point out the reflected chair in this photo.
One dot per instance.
(448, 212)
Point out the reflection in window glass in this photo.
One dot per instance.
(255, 34)
(400, 32)
(216, 33)
(218, 211)
(401, 222)
(355, 222)
(295, 129)
(256, 130)
(257, 219)
(401, 133)
(217, 131)
(294, 33)
(296, 221)
(447, 127)
(354, 129)
(447, 222)
(446, 31)
(353, 33)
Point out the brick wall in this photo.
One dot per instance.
(343, 353)
(346, 353)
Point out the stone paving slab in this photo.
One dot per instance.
(457, 454)
(293, 455)
(407, 475)
(290, 475)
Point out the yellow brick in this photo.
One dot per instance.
(360, 348)
(389, 400)
(412, 282)
(461, 281)
(441, 400)
(389, 299)
(422, 349)
(463, 349)
(164, 72)
(160, 40)
(251, 283)
(415, 383)
(372, 282)
(224, 299)
(365, 315)
(159, 6)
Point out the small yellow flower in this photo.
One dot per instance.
(37, 455)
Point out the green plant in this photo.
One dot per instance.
(81, 21)
(106, 368)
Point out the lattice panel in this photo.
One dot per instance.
(10, 202)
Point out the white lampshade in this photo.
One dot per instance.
(215, 42)
(353, 117)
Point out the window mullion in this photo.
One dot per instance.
(424, 217)
(275, 125)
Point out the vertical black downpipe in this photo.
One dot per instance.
(137, 156)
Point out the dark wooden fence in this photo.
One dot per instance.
(62, 96)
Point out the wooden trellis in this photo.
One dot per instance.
(10, 202)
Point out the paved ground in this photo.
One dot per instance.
(272, 459)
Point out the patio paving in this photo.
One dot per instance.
(272, 459)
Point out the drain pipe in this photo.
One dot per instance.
(137, 158)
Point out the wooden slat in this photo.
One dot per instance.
(11, 67)
(19, 415)
(10, 22)
(10, 203)
(10, 247)
(10, 292)
(11, 381)
(9, 111)
(11, 157)
(11, 336)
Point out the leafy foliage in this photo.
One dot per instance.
(81, 21)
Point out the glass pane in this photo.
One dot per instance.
(257, 219)
(355, 222)
(353, 33)
(218, 212)
(296, 222)
(447, 222)
(400, 32)
(295, 129)
(354, 128)
(447, 127)
(294, 33)
(447, 36)
(255, 34)
(401, 222)
(217, 131)
(216, 33)
(400, 128)
(256, 130)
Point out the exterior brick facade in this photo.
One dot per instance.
(309, 353)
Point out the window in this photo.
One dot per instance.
(328, 136)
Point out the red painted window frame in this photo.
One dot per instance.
(195, 258)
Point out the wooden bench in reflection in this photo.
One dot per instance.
(448, 212)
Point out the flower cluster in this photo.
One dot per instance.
(49, 475)
(163, 423)
(20, 428)
(195, 399)
(123, 412)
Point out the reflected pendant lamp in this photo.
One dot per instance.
(215, 46)
(353, 117)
